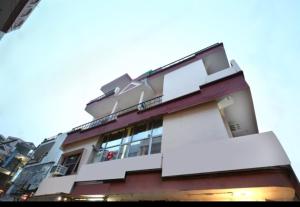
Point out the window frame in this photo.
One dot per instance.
(69, 154)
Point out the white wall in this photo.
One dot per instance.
(202, 145)
(55, 151)
(53, 185)
(194, 126)
(184, 81)
(116, 169)
(221, 74)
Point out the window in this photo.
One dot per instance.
(138, 140)
(110, 153)
(140, 132)
(71, 162)
(156, 144)
(139, 148)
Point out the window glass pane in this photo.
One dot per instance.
(126, 139)
(70, 169)
(139, 132)
(117, 135)
(113, 143)
(139, 148)
(104, 141)
(110, 153)
(103, 145)
(71, 160)
(123, 151)
(157, 123)
(157, 128)
(98, 155)
(156, 145)
(115, 138)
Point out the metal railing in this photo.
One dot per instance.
(150, 103)
(108, 118)
(96, 122)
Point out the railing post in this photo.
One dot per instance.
(114, 108)
(141, 97)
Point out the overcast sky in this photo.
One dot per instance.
(66, 50)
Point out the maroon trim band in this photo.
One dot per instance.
(208, 93)
(149, 182)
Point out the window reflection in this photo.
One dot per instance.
(156, 145)
(110, 153)
(140, 132)
(115, 138)
(139, 148)
(123, 151)
(113, 143)
(98, 156)
(126, 139)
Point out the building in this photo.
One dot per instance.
(185, 131)
(14, 154)
(13, 13)
(45, 156)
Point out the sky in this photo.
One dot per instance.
(66, 50)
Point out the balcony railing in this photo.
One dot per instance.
(142, 106)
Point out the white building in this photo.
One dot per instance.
(185, 131)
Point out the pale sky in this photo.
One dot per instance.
(66, 50)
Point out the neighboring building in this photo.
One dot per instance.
(13, 14)
(14, 154)
(185, 131)
(45, 157)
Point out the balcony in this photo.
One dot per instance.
(109, 118)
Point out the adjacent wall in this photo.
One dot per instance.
(55, 151)
(184, 81)
(53, 185)
(201, 145)
(194, 126)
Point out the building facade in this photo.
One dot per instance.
(45, 156)
(14, 154)
(13, 13)
(186, 131)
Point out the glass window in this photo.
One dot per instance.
(139, 148)
(157, 128)
(123, 151)
(110, 153)
(104, 141)
(115, 139)
(118, 145)
(156, 145)
(113, 143)
(140, 132)
(71, 162)
(126, 139)
(98, 156)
